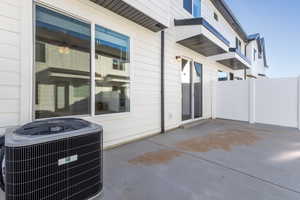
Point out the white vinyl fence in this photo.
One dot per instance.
(267, 101)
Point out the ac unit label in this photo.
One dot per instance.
(67, 160)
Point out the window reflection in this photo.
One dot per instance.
(112, 72)
(62, 65)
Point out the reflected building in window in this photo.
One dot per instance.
(62, 65)
(112, 72)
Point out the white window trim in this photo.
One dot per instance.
(26, 60)
(93, 69)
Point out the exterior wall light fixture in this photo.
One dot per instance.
(178, 58)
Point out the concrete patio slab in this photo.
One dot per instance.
(261, 166)
(217, 160)
(274, 157)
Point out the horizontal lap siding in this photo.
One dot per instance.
(158, 10)
(9, 63)
(144, 116)
(207, 12)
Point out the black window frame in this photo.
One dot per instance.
(238, 44)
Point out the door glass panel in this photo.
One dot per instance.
(197, 78)
(62, 65)
(186, 88)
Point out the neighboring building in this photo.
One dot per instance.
(136, 67)
(256, 52)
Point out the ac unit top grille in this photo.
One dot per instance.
(52, 126)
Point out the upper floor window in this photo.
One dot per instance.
(193, 7)
(254, 54)
(222, 76)
(260, 55)
(238, 44)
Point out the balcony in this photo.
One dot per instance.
(234, 59)
(130, 12)
(197, 34)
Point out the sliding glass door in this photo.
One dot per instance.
(191, 89)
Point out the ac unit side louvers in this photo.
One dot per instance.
(57, 159)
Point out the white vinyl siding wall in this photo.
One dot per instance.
(16, 82)
(9, 62)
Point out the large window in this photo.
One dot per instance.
(112, 72)
(222, 76)
(62, 65)
(238, 44)
(193, 7)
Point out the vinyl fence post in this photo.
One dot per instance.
(298, 91)
(213, 99)
(252, 101)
